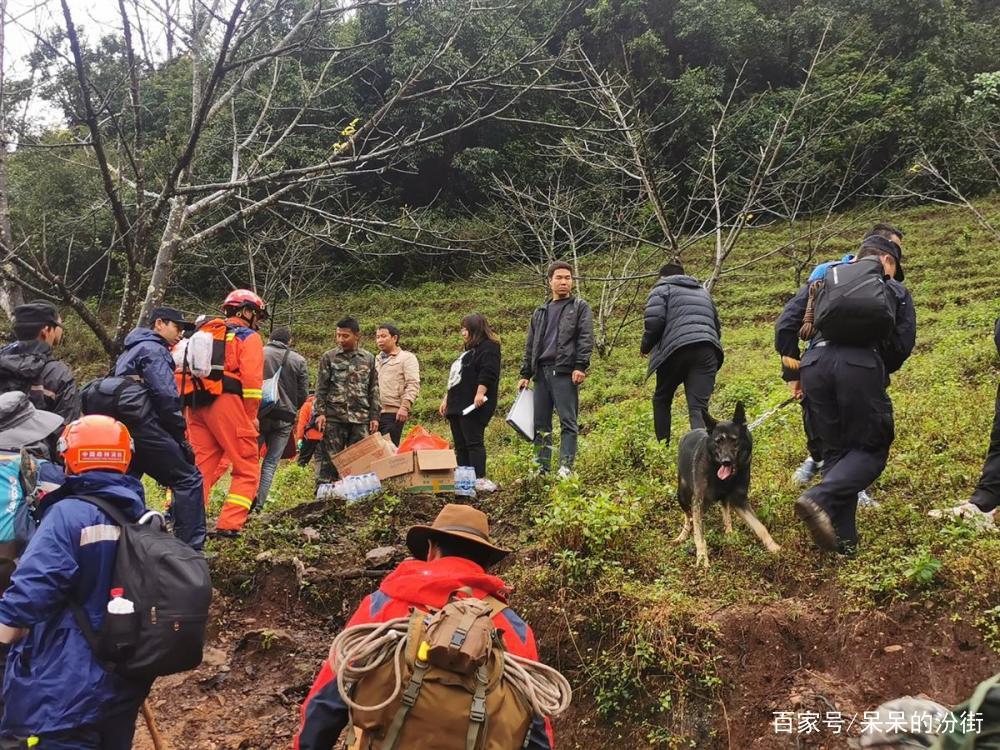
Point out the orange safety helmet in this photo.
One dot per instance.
(240, 298)
(95, 442)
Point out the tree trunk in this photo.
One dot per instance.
(11, 295)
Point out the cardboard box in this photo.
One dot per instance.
(360, 457)
(420, 471)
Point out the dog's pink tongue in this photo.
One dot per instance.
(725, 471)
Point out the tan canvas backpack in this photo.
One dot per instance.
(453, 695)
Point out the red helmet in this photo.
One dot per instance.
(93, 442)
(240, 298)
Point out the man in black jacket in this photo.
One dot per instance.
(28, 365)
(848, 406)
(682, 337)
(557, 354)
(278, 419)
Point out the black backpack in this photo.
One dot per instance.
(23, 372)
(125, 399)
(853, 304)
(169, 584)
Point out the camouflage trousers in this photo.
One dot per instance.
(336, 437)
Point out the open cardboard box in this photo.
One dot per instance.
(360, 457)
(420, 471)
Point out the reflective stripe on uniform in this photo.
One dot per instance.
(104, 532)
(253, 393)
(243, 502)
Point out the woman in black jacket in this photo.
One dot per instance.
(473, 382)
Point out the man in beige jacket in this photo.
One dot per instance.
(398, 381)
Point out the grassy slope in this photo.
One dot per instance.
(600, 545)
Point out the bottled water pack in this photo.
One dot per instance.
(465, 481)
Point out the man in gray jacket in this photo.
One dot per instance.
(683, 339)
(557, 355)
(278, 419)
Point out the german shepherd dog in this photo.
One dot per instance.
(713, 465)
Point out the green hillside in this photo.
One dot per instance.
(647, 639)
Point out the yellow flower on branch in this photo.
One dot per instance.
(351, 129)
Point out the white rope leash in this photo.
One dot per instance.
(770, 413)
(362, 648)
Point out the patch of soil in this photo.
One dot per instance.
(807, 656)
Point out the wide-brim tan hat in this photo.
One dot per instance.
(463, 522)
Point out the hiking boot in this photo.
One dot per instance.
(867, 501)
(223, 534)
(485, 485)
(818, 522)
(847, 549)
(564, 472)
(806, 472)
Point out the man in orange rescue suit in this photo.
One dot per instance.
(223, 418)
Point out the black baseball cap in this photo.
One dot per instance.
(171, 314)
(36, 313)
(888, 247)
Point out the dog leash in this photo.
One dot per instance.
(768, 414)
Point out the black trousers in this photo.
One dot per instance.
(159, 455)
(389, 425)
(693, 366)
(307, 451)
(813, 444)
(852, 414)
(467, 432)
(987, 494)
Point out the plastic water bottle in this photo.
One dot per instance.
(355, 490)
(465, 482)
(119, 631)
(119, 605)
(365, 480)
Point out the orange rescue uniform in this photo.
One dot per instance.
(302, 429)
(226, 430)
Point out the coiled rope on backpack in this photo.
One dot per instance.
(361, 649)
(808, 329)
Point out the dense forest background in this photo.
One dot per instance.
(289, 146)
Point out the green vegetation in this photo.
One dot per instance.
(629, 610)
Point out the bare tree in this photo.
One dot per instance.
(954, 171)
(236, 61)
(11, 294)
(598, 228)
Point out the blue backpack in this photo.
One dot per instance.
(18, 490)
(22, 480)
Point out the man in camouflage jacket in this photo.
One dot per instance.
(347, 399)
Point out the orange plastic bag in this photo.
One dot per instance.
(419, 439)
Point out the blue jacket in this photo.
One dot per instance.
(147, 356)
(53, 682)
(820, 271)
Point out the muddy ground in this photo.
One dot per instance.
(273, 625)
